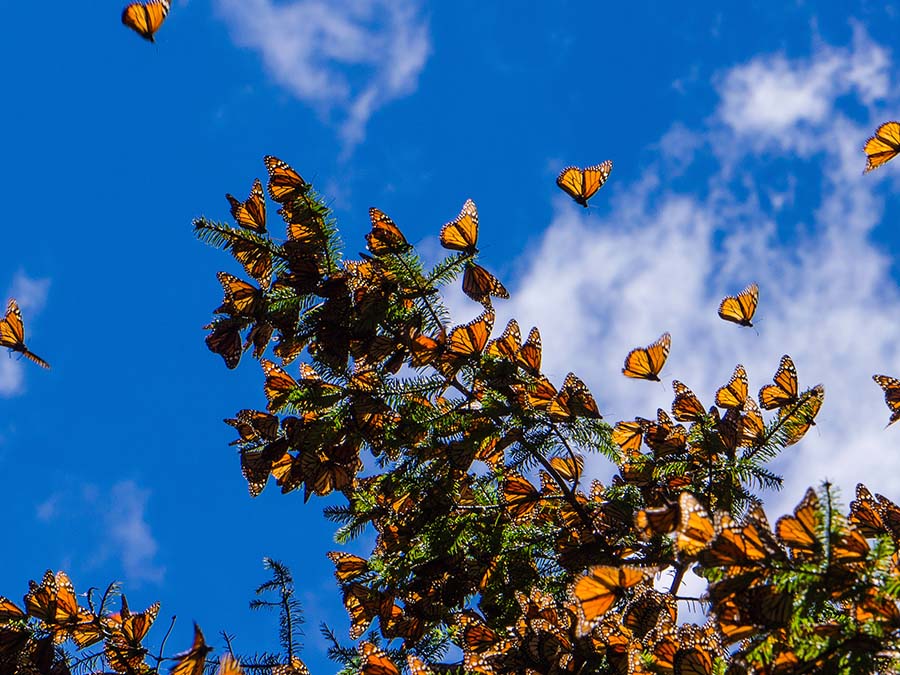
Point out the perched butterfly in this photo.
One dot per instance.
(733, 394)
(508, 344)
(741, 307)
(278, 386)
(883, 146)
(520, 496)
(54, 603)
(193, 660)
(480, 285)
(285, 184)
(145, 18)
(890, 385)
(241, 298)
(385, 237)
(784, 391)
(686, 407)
(461, 233)
(629, 434)
(695, 529)
(476, 635)
(797, 420)
(250, 214)
(646, 362)
(348, 567)
(529, 354)
(799, 532)
(12, 334)
(581, 184)
(470, 339)
(596, 592)
(375, 661)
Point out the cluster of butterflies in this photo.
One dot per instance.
(30, 637)
(145, 18)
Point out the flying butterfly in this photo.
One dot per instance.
(582, 184)
(646, 362)
(890, 385)
(733, 394)
(285, 184)
(145, 18)
(193, 660)
(12, 334)
(480, 285)
(784, 391)
(385, 237)
(883, 146)
(461, 233)
(250, 214)
(740, 308)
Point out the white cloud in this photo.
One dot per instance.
(349, 56)
(31, 296)
(662, 259)
(129, 533)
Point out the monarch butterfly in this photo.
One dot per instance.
(470, 339)
(686, 407)
(241, 298)
(285, 184)
(695, 529)
(278, 386)
(799, 532)
(476, 635)
(753, 427)
(733, 394)
(508, 344)
(596, 592)
(865, 513)
(480, 285)
(247, 247)
(364, 604)
(461, 233)
(658, 520)
(740, 308)
(295, 667)
(890, 385)
(145, 18)
(124, 651)
(529, 355)
(375, 661)
(648, 610)
(193, 660)
(663, 437)
(520, 496)
(385, 237)
(737, 546)
(54, 603)
(225, 340)
(569, 468)
(800, 418)
(250, 214)
(254, 425)
(576, 399)
(228, 665)
(12, 334)
(581, 184)
(9, 611)
(883, 146)
(646, 362)
(348, 567)
(784, 391)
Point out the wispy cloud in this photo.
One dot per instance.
(130, 534)
(31, 296)
(348, 57)
(662, 259)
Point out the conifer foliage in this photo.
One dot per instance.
(451, 445)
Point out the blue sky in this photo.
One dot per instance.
(735, 136)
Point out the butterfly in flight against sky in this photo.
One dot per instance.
(740, 308)
(883, 146)
(891, 386)
(145, 18)
(582, 184)
(645, 362)
(12, 334)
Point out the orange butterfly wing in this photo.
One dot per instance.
(596, 592)
(784, 391)
(646, 362)
(733, 394)
(285, 184)
(385, 236)
(582, 184)
(740, 308)
(480, 285)
(890, 385)
(461, 233)
(12, 334)
(250, 214)
(145, 18)
(883, 146)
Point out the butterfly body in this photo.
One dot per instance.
(145, 18)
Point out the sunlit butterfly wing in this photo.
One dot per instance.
(278, 386)
(733, 394)
(865, 513)
(740, 308)
(375, 661)
(529, 355)
(12, 334)
(799, 532)
(798, 418)
(520, 496)
(695, 528)
(890, 385)
(596, 592)
(480, 285)
(225, 340)
(575, 397)
(471, 338)
(385, 237)
(145, 18)
(883, 146)
(348, 567)
(192, 661)
(784, 390)
(646, 362)
(508, 344)
(250, 214)
(686, 407)
(285, 184)
(628, 435)
(461, 233)
(582, 184)
(241, 298)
